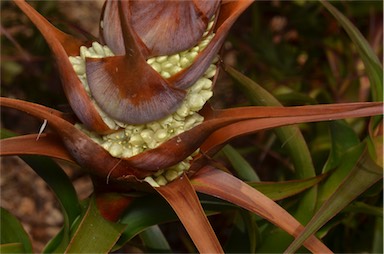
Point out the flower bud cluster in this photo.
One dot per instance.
(167, 66)
(130, 140)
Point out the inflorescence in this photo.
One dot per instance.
(130, 140)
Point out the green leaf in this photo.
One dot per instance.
(360, 207)
(347, 163)
(242, 168)
(13, 237)
(141, 215)
(12, 248)
(284, 189)
(62, 186)
(375, 147)
(290, 136)
(363, 176)
(244, 233)
(94, 234)
(59, 242)
(292, 140)
(217, 183)
(343, 138)
(372, 63)
(154, 240)
(58, 181)
(4, 133)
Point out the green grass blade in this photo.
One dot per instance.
(58, 181)
(140, 215)
(244, 233)
(290, 136)
(362, 176)
(343, 137)
(293, 142)
(13, 237)
(372, 63)
(62, 186)
(363, 208)
(154, 240)
(285, 189)
(347, 163)
(242, 168)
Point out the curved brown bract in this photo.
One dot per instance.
(35, 144)
(169, 27)
(131, 92)
(216, 130)
(221, 126)
(229, 12)
(162, 27)
(83, 149)
(126, 87)
(62, 46)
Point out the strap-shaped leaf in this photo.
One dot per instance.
(296, 147)
(94, 233)
(62, 187)
(271, 117)
(362, 176)
(35, 144)
(13, 237)
(79, 145)
(217, 183)
(241, 166)
(229, 124)
(285, 189)
(182, 197)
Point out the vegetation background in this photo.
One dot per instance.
(295, 49)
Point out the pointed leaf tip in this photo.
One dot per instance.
(62, 46)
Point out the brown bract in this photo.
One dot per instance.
(162, 27)
(218, 128)
(62, 46)
(137, 30)
(125, 86)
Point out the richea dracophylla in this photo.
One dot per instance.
(141, 122)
